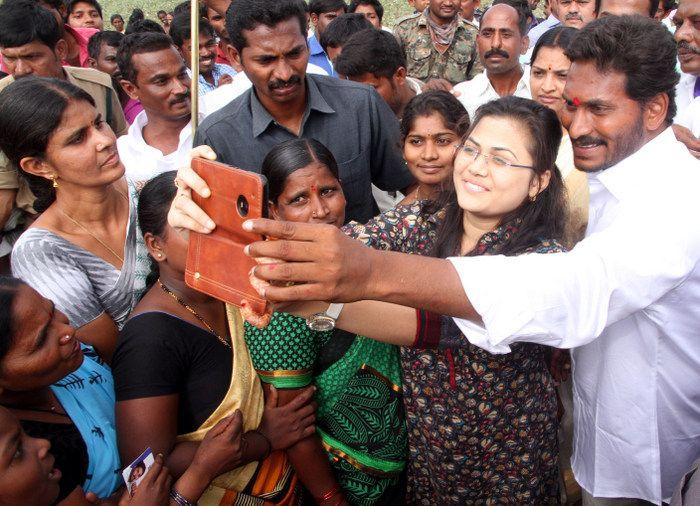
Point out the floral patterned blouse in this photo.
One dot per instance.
(482, 428)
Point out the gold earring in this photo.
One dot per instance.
(54, 178)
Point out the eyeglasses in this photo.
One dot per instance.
(495, 160)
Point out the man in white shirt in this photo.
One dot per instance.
(160, 137)
(626, 299)
(550, 22)
(688, 90)
(501, 40)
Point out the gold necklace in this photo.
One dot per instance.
(106, 246)
(196, 315)
(418, 192)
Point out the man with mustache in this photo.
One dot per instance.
(438, 44)
(626, 300)
(211, 75)
(576, 13)
(687, 127)
(268, 41)
(501, 40)
(160, 138)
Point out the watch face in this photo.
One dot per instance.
(321, 323)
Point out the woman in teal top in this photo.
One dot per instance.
(360, 418)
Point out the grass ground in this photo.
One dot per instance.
(393, 9)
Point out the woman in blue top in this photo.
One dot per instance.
(59, 389)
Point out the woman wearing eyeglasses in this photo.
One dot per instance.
(482, 428)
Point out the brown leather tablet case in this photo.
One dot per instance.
(216, 264)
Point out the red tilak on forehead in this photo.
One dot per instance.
(314, 188)
(576, 101)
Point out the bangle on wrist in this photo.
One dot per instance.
(175, 496)
(267, 441)
(328, 494)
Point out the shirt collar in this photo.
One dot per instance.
(141, 120)
(626, 175)
(487, 87)
(314, 101)
(314, 46)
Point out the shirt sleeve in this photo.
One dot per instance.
(567, 299)
(391, 230)
(9, 179)
(53, 272)
(389, 170)
(148, 359)
(284, 352)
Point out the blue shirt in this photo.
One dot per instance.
(318, 56)
(219, 70)
(537, 31)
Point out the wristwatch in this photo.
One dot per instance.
(325, 321)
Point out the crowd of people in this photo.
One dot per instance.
(468, 303)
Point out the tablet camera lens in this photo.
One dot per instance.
(242, 206)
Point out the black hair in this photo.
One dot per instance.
(136, 15)
(181, 29)
(138, 43)
(319, 7)
(154, 202)
(9, 288)
(115, 16)
(144, 26)
(31, 109)
(370, 51)
(24, 22)
(290, 156)
(378, 7)
(73, 3)
(184, 8)
(653, 6)
(640, 48)
(522, 7)
(454, 115)
(161, 12)
(557, 37)
(247, 14)
(56, 4)
(536, 221)
(342, 28)
(109, 38)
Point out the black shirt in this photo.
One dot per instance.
(349, 118)
(160, 354)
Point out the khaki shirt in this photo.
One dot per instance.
(459, 63)
(99, 86)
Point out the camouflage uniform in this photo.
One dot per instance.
(459, 63)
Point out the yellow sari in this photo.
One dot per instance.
(270, 482)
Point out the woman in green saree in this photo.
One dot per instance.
(360, 419)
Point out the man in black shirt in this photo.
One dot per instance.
(285, 103)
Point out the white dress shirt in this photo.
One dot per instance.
(687, 106)
(690, 117)
(479, 90)
(538, 30)
(215, 100)
(627, 300)
(142, 161)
